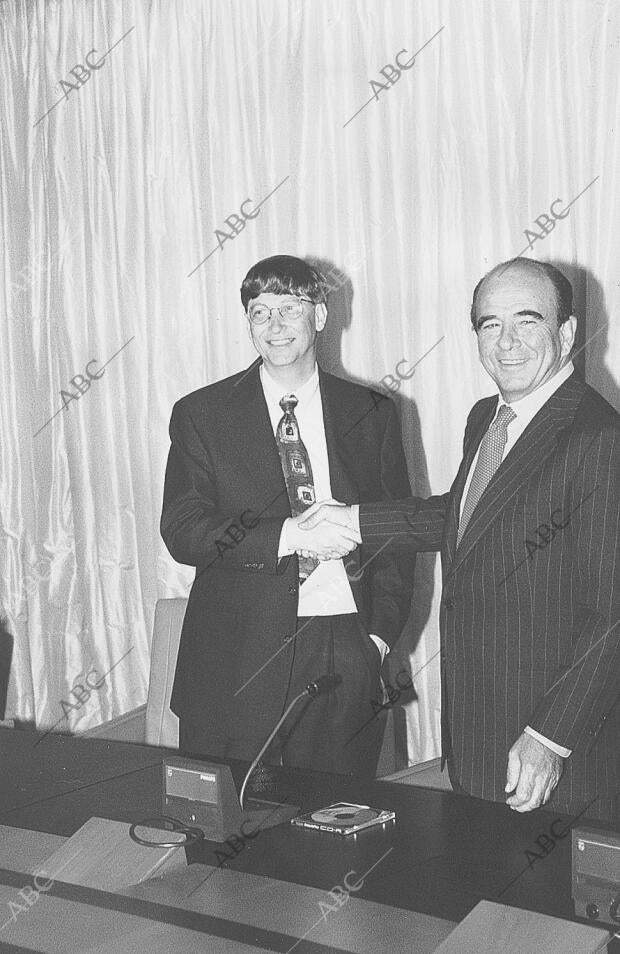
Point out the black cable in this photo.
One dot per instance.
(170, 824)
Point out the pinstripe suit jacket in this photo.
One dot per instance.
(530, 606)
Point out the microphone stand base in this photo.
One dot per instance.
(259, 815)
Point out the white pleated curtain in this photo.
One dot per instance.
(195, 111)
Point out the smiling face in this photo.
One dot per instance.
(520, 342)
(287, 345)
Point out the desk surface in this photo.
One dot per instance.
(442, 855)
(197, 908)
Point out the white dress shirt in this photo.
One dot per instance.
(526, 409)
(327, 591)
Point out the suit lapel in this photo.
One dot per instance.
(537, 443)
(473, 436)
(340, 435)
(252, 435)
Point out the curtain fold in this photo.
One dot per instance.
(195, 112)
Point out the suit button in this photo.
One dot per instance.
(449, 603)
(292, 589)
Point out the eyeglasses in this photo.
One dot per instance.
(293, 308)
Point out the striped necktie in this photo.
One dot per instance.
(490, 457)
(297, 471)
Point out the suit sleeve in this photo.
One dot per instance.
(576, 706)
(414, 524)
(194, 528)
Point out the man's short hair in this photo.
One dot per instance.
(562, 287)
(283, 275)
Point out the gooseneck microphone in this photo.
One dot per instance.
(322, 684)
(200, 800)
(315, 688)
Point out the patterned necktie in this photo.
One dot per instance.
(490, 457)
(297, 471)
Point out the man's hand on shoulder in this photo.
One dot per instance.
(534, 770)
(327, 539)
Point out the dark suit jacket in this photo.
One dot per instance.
(530, 630)
(225, 501)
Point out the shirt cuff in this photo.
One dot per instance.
(283, 546)
(381, 645)
(558, 749)
(355, 520)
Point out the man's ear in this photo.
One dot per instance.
(320, 316)
(248, 326)
(567, 334)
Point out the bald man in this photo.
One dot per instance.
(528, 533)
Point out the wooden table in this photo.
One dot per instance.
(442, 855)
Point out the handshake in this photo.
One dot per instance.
(328, 530)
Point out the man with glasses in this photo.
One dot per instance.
(249, 456)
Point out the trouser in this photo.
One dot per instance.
(338, 731)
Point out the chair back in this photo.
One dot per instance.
(162, 726)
